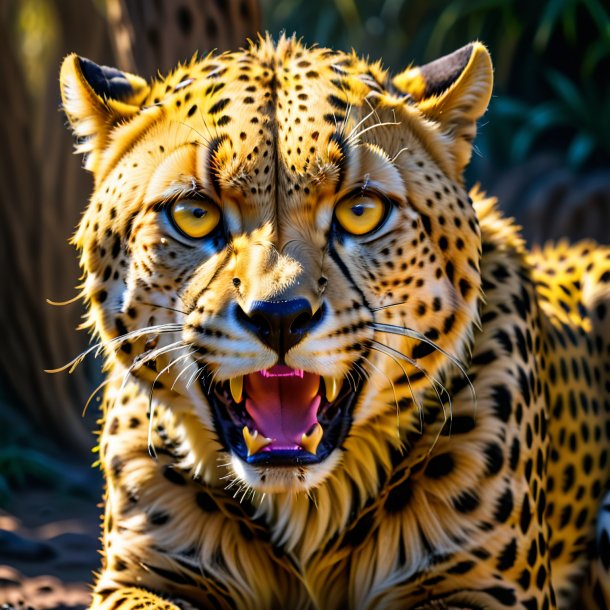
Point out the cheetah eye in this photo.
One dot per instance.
(196, 218)
(362, 214)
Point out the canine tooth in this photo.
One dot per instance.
(332, 386)
(254, 441)
(237, 387)
(311, 439)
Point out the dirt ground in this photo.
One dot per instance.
(48, 550)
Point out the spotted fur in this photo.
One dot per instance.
(477, 456)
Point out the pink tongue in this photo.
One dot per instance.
(283, 403)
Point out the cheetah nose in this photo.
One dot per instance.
(279, 324)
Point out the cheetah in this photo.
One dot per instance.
(336, 378)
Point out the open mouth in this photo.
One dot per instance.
(282, 416)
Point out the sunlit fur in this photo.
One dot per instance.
(451, 326)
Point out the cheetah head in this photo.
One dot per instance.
(279, 246)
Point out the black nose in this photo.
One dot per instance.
(279, 324)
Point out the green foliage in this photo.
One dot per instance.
(552, 61)
(28, 458)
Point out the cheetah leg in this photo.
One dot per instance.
(596, 590)
(130, 598)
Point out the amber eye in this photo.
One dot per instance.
(360, 215)
(196, 218)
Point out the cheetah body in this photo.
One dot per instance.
(475, 459)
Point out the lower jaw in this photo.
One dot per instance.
(334, 419)
(286, 479)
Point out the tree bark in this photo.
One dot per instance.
(43, 191)
(43, 188)
(154, 36)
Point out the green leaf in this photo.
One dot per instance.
(511, 108)
(600, 17)
(593, 55)
(551, 14)
(580, 149)
(569, 94)
(543, 117)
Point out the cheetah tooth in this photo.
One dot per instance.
(254, 441)
(237, 388)
(311, 439)
(332, 386)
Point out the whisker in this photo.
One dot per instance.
(413, 334)
(355, 137)
(381, 348)
(99, 387)
(97, 347)
(184, 313)
(366, 118)
(75, 298)
(151, 406)
(393, 391)
(403, 149)
(184, 369)
(381, 307)
(434, 382)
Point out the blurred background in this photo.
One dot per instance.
(543, 148)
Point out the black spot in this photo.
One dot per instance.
(449, 271)
(464, 287)
(337, 102)
(557, 549)
(466, 502)
(494, 458)
(421, 350)
(524, 386)
(206, 502)
(99, 297)
(541, 577)
(503, 595)
(426, 222)
(505, 342)
(485, 357)
(192, 110)
(524, 579)
(502, 402)
(504, 506)
(223, 120)
(448, 323)
(399, 497)
(219, 106)
(360, 531)
(173, 476)
(461, 424)
(461, 568)
(158, 518)
(439, 466)
(508, 556)
(116, 466)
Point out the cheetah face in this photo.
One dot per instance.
(280, 248)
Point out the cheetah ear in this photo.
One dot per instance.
(454, 91)
(95, 98)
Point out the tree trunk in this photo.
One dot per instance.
(155, 36)
(43, 189)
